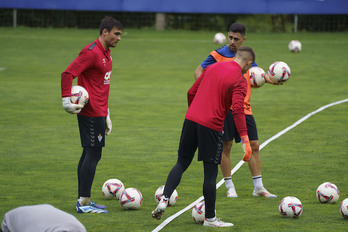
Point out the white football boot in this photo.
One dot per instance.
(231, 192)
(216, 223)
(161, 207)
(263, 193)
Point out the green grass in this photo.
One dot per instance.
(40, 146)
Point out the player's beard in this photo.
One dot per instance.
(113, 44)
(233, 48)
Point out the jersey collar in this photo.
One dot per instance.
(106, 52)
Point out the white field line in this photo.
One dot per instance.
(240, 163)
(2, 68)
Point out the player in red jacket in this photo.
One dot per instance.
(93, 68)
(210, 98)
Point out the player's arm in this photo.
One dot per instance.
(84, 60)
(208, 61)
(198, 71)
(238, 96)
(269, 81)
(66, 83)
(191, 93)
(108, 124)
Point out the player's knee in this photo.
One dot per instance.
(94, 153)
(254, 145)
(226, 148)
(183, 163)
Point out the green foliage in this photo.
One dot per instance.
(263, 23)
(40, 145)
(182, 21)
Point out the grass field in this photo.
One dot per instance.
(40, 146)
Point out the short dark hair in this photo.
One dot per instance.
(108, 23)
(249, 50)
(237, 27)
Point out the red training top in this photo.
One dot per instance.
(93, 68)
(221, 58)
(220, 86)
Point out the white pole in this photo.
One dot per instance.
(160, 21)
(14, 18)
(295, 23)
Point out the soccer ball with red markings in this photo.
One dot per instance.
(131, 198)
(328, 193)
(79, 95)
(257, 76)
(290, 207)
(219, 38)
(172, 200)
(198, 212)
(344, 208)
(295, 46)
(112, 189)
(279, 72)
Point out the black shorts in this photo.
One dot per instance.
(230, 130)
(92, 131)
(208, 141)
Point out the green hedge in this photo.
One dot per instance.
(216, 22)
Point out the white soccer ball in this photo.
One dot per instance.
(131, 198)
(344, 208)
(79, 95)
(290, 207)
(295, 46)
(257, 76)
(219, 38)
(327, 193)
(159, 193)
(112, 189)
(198, 212)
(279, 72)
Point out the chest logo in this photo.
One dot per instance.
(107, 78)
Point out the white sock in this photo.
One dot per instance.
(211, 219)
(164, 199)
(228, 182)
(84, 200)
(257, 182)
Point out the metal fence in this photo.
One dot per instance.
(216, 22)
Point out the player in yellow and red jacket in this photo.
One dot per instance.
(236, 37)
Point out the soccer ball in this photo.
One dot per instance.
(79, 95)
(198, 212)
(328, 193)
(279, 72)
(131, 198)
(219, 38)
(344, 208)
(290, 207)
(257, 76)
(112, 189)
(159, 193)
(295, 46)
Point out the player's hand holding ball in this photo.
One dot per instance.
(78, 99)
(269, 81)
(70, 107)
(108, 124)
(246, 147)
(279, 72)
